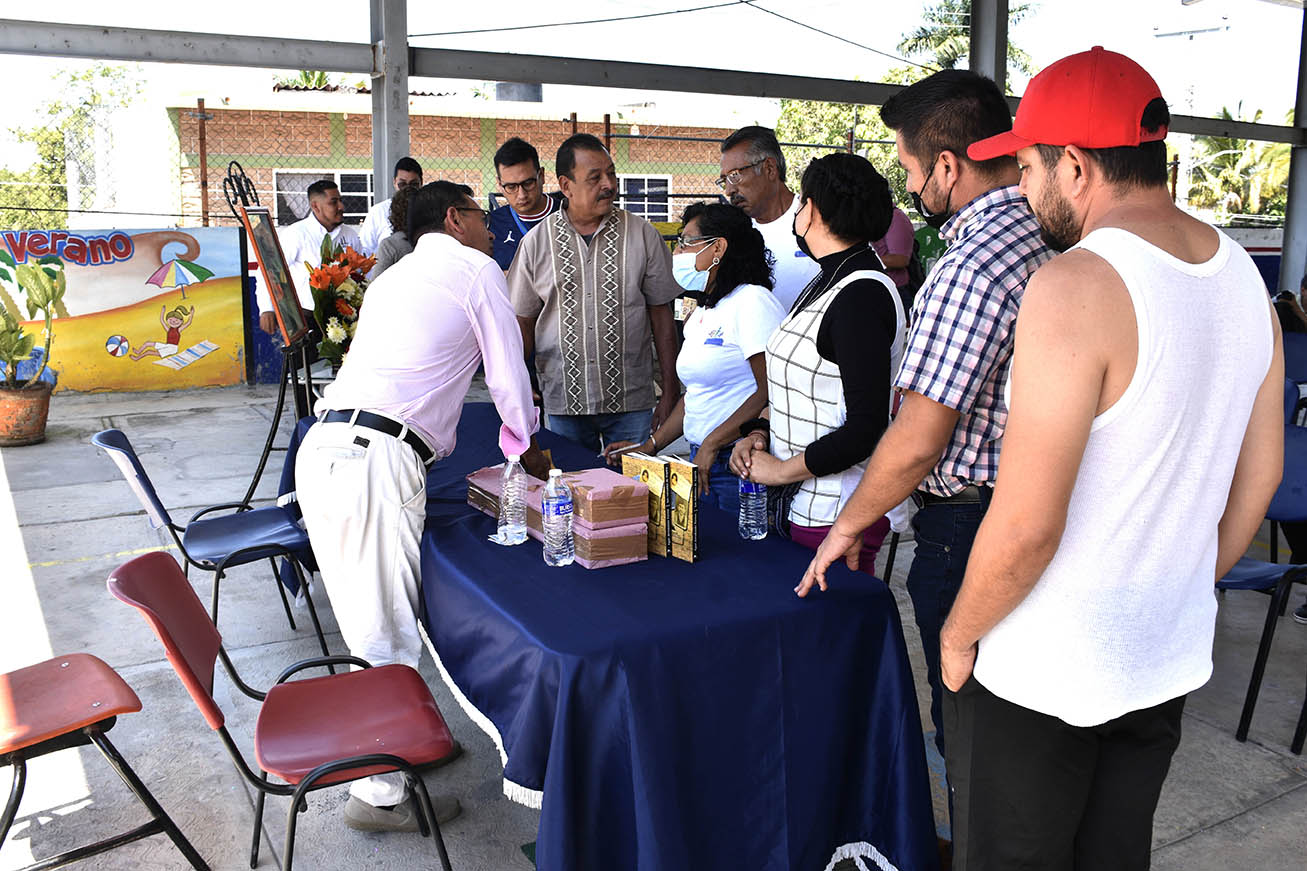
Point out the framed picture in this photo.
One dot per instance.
(276, 274)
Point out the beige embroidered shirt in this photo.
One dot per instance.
(593, 345)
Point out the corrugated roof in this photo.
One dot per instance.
(351, 89)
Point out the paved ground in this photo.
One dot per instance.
(72, 519)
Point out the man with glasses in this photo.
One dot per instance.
(391, 413)
(753, 178)
(376, 226)
(517, 166)
(589, 288)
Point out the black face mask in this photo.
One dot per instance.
(935, 220)
(801, 242)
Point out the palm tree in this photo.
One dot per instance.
(1239, 176)
(944, 37)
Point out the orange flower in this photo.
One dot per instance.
(328, 275)
(345, 309)
(357, 262)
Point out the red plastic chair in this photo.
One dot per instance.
(67, 702)
(301, 735)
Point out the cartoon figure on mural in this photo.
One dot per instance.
(173, 323)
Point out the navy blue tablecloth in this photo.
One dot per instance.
(680, 716)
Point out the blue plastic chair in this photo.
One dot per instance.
(215, 544)
(1288, 504)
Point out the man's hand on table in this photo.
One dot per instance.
(836, 544)
(535, 463)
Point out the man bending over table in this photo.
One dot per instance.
(361, 472)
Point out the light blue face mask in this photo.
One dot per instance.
(685, 273)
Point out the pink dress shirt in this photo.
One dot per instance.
(425, 326)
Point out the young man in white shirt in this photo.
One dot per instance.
(301, 242)
(376, 226)
(753, 178)
(1144, 442)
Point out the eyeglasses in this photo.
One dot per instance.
(687, 241)
(526, 186)
(485, 216)
(735, 175)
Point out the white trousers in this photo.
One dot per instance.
(363, 494)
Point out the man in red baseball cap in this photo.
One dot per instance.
(1144, 442)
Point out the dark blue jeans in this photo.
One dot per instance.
(596, 430)
(944, 534)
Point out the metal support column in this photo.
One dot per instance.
(390, 66)
(1293, 256)
(989, 40)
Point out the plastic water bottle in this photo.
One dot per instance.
(556, 514)
(512, 502)
(753, 510)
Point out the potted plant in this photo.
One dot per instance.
(25, 401)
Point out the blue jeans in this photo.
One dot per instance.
(944, 535)
(723, 486)
(588, 429)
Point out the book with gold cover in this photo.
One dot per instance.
(683, 482)
(652, 471)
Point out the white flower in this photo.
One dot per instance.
(336, 331)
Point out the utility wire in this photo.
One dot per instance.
(588, 21)
(751, 5)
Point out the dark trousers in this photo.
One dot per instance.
(1031, 792)
(944, 533)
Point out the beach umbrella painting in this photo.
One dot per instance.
(179, 273)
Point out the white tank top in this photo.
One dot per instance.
(1123, 617)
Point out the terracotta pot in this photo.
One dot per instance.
(22, 414)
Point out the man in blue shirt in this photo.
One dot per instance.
(517, 166)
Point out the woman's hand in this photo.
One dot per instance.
(765, 468)
(613, 451)
(704, 460)
(742, 455)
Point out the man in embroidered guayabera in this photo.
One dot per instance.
(591, 287)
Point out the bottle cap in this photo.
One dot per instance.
(555, 473)
(514, 458)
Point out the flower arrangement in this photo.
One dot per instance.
(338, 286)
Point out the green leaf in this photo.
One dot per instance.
(7, 259)
(6, 275)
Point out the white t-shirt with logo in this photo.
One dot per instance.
(794, 269)
(714, 360)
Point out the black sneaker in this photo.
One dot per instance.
(1300, 613)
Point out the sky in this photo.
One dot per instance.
(1249, 56)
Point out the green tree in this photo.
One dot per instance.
(65, 143)
(944, 36)
(315, 79)
(817, 123)
(1239, 176)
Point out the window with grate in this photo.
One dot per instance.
(292, 199)
(645, 195)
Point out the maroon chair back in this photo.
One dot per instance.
(155, 586)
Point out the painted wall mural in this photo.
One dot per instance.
(145, 309)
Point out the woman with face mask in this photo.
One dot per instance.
(831, 362)
(720, 256)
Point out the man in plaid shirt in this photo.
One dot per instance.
(942, 448)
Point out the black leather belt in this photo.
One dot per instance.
(972, 494)
(381, 424)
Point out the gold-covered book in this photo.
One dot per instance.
(683, 482)
(652, 471)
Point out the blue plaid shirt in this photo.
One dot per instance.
(960, 347)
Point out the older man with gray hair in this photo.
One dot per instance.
(753, 178)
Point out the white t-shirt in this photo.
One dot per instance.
(714, 360)
(376, 226)
(794, 269)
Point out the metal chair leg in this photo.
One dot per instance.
(258, 821)
(1300, 733)
(213, 610)
(1278, 598)
(143, 795)
(285, 603)
(313, 611)
(15, 797)
(420, 790)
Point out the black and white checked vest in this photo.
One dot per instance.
(807, 399)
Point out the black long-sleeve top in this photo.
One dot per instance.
(856, 334)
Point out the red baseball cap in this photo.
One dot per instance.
(1094, 99)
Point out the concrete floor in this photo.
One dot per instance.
(71, 519)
